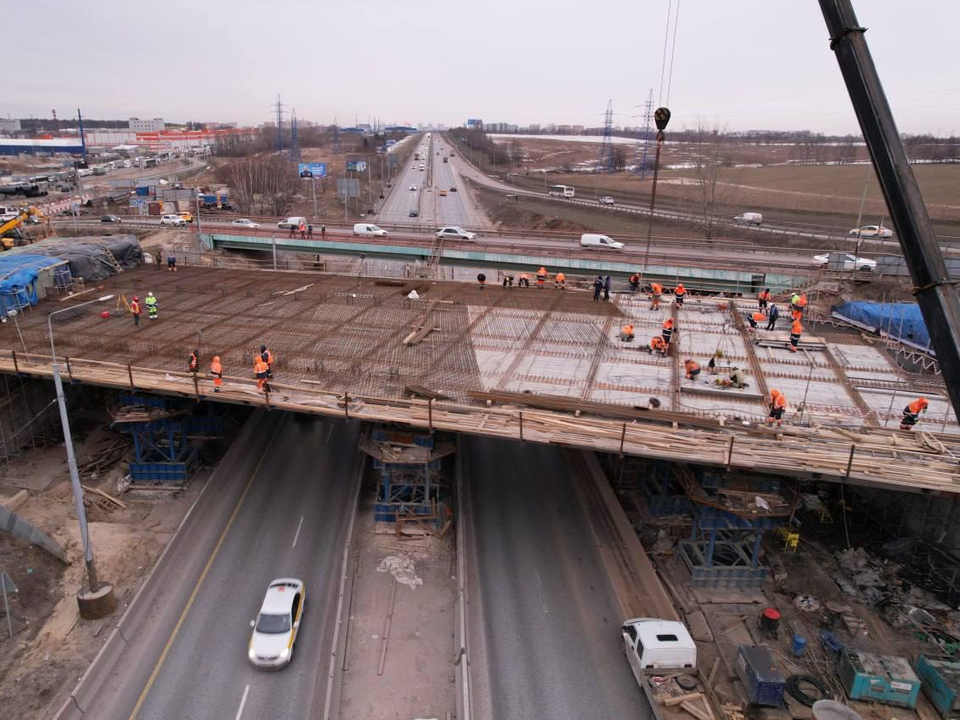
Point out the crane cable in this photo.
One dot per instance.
(663, 62)
(673, 51)
(665, 69)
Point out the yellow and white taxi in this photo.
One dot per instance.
(275, 629)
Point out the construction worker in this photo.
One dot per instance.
(136, 310)
(482, 279)
(667, 334)
(626, 333)
(738, 378)
(541, 277)
(171, 263)
(152, 307)
(755, 318)
(524, 280)
(680, 293)
(193, 364)
(310, 230)
(634, 282)
(763, 297)
(911, 413)
(323, 232)
(795, 311)
(691, 368)
(303, 231)
(778, 403)
(560, 281)
(216, 369)
(158, 257)
(267, 357)
(607, 285)
(597, 287)
(802, 303)
(795, 331)
(260, 369)
(508, 280)
(656, 290)
(772, 317)
(657, 345)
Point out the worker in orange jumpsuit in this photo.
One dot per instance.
(755, 318)
(267, 357)
(626, 333)
(656, 290)
(260, 369)
(216, 369)
(911, 413)
(667, 333)
(763, 298)
(541, 277)
(634, 282)
(560, 281)
(680, 293)
(136, 310)
(778, 403)
(795, 331)
(193, 364)
(691, 368)
(657, 345)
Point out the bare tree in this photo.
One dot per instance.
(263, 185)
(710, 194)
(619, 158)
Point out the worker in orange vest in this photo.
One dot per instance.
(778, 403)
(680, 293)
(626, 333)
(541, 277)
(560, 281)
(763, 298)
(634, 282)
(667, 333)
(194, 362)
(911, 413)
(692, 368)
(267, 357)
(656, 290)
(216, 369)
(136, 310)
(795, 331)
(755, 318)
(657, 345)
(260, 369)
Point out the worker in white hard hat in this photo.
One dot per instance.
(151, 303)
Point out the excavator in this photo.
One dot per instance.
(10, 231)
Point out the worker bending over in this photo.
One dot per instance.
(763, 298)
(680, 293)
(508, 280)
(524, 280)
(626, 333)
(482, 279)
(634, 282)
(193, 364)
(560, 281)
(216, 370)
(795, 331)
(737, 379)
(657, 345)
(911, 413)
(755, 319)
(541, 277)
(691, 368)
(656, 290)
(778, 403)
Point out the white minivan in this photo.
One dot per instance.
(368, 229)
(591, 240)
(750, 218)
(292, 223)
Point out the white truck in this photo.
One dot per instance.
(663, 657)
(749, 218)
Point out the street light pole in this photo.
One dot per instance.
(92, 579)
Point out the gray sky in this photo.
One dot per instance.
(739, 63)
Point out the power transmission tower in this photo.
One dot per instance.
(605, 159)
(294, 143)
(336, 136)
(643, 168)
(279, 124)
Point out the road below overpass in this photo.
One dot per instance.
(278, 506)
(544, 614)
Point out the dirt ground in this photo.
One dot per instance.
(52, 646)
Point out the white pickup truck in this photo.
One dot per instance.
(663, 658)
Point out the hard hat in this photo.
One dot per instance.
(149, 294)
(136, 299)
(263, 348)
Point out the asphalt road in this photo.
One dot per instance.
(542, 607)
(289, 522)
(401, 199)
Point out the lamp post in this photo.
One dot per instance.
(71, 459)
(661, 117)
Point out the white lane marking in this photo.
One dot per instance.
(299, 525)
(329, 433)
(243, 701)
(542, 600)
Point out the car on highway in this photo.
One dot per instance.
(844, 261)
(110, 219)
(606, 200)
(593, 240)
(369, 229)
(443, 193)
(413, 187)
(277, 624)
(749, 218)
(246, 223)
(414, 213)
(453, 189)
(174, 220)
(454, 232)
(871, 231)
(187, 217)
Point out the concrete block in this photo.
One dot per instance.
(17, 501)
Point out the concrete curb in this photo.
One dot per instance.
(462, 635)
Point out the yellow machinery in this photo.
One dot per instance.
(11, 225)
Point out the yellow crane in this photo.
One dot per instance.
(11, 225)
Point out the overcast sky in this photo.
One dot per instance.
(740, 64)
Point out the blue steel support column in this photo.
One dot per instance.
(755, 558)
(171, 443)
(426, 483)
(713, 542)
(136, 446)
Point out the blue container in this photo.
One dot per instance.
(886, 679)
(941, 683)
(798, 645)
(758, 673)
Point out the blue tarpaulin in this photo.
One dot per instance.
(18, 279)
(900, 321)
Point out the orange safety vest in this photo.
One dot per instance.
(656, 289)
(802, 302)
(561, 277)
(778, 401)
(680, 290)
(193, 362)
(627, 329)
(668, 324)
(763, 295)
(269, 358)
(657, 343)
(216, 368)
(917, 406)
(135, 308)
(260, 367)
(796, 328)
(759, 317)
(691, 365)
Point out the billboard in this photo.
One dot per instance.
(348, 188)
(312, 170)
(356, 165)
(474, 123)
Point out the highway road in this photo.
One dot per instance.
(401, 199)
(544, 618)
(279, 505)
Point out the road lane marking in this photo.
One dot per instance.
(542, 600)
(299, 525)
(243, 701)
(203, 576)
(329, 433)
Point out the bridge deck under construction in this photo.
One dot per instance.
(508, 362)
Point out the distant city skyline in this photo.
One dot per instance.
(738, 65)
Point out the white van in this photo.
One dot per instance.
(368, 229)
(750, 218)
(590, 240)
(292, 223)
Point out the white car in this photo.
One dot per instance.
(850, 262)
(174, 220)
(244, 222)
(413, 187)
(606, 200)
(871, 231)
(455, 232)
(277, 624)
